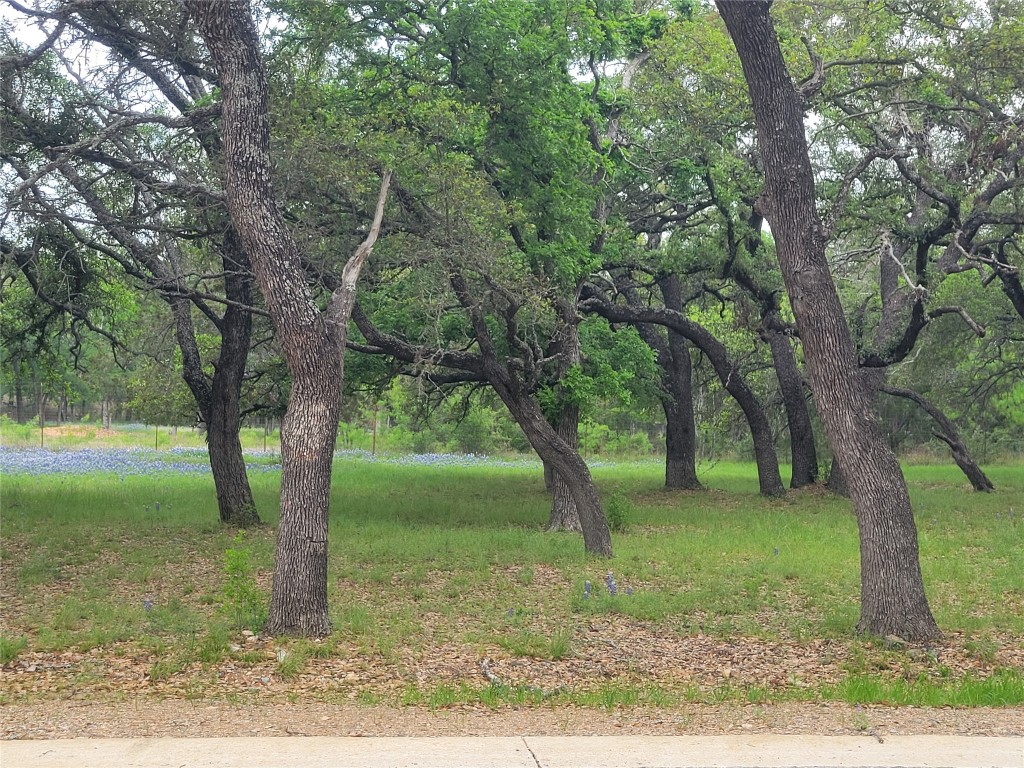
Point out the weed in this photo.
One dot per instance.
(619, 512)
(242, 600)
(291, 662)
(11, 647)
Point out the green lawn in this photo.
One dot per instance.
(435, 568)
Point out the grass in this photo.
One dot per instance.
(427, 561)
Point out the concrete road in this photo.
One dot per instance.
(523, 752)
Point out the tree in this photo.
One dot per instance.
(893, 601)
(313, 341)
(134, 174)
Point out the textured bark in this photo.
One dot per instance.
(950, 435)
(313, 342)
(564, 516)
(566, 347)
(791, 383)
(769, 479)
(892, 596)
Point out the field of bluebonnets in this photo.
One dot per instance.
(118, 582)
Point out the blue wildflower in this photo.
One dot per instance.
(586, 590)
(610, 581)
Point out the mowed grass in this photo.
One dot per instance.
(454, 557)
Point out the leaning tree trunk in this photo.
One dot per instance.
(313, 342)
(564, 516)
(566, 346)
(950, 435)
(801, 433)
(566, 462)
(893, 600)
(234, 495)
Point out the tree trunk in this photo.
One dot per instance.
(950, 435)
(677, 382)
(218, 401)
(564, 516)
(19, 401)
(313, 342)
(566, 462)
(565, 345)
(680, 428)
(801, 433)
(234, 496)
(836, 479)
(893, 600)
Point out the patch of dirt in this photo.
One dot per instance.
(149, 717)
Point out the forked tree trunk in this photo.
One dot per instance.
(893, 600)
(219, 401)
(313, 342)
(950, 435)
(566, 462)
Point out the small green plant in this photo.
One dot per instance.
(560, 645)
(242, 600)
(11, 647)
(619, 512)
(291, 662)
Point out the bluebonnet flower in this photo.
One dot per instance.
(610, 581)
(586, 590)
(157, 505)
(776, 551)
(148, 604)
(629, 591)
(119, 461)
(511, 611)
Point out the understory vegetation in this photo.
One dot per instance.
(445, 589)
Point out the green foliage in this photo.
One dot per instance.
(11, 647)
(619, 511)
(241, 599)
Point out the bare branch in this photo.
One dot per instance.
(975, 326)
